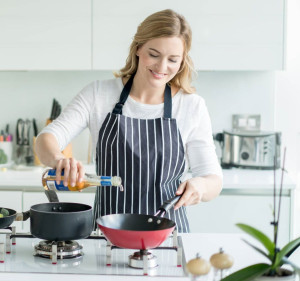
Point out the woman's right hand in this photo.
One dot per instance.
(73, 171)
(49, 153)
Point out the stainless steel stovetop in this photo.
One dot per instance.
(93, 261)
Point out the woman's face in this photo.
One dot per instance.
(160, 60)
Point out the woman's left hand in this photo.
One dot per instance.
(192, 190)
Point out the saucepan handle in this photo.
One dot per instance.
(167, 205)
(52, 196)
(23, 216)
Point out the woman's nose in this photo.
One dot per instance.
(161, 65)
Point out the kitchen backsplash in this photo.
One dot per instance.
(30, 94)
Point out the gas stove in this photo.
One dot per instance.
(93, 255)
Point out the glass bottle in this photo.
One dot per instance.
(49, 181)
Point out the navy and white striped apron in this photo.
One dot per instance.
(147, 154)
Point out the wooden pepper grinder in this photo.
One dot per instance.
(198, 267)
(221, 262)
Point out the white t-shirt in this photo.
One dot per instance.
(90, 107)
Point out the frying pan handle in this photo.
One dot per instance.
(24, 216)
(167, 205)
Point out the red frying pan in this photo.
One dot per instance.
(135, 231)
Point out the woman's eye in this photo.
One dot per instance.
(173, 61)
(153, 56)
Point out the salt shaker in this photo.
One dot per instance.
(198, 267)
(221, 263)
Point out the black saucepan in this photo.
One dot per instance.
(61, 221)
(55, 221)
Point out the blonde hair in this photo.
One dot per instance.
(166, 23)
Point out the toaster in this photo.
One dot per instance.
(250, 149)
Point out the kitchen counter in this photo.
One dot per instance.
(242, 189)
(206, 244)
(26, 178)
(234, 179)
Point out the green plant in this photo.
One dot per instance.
(277, 257)
(3, 157)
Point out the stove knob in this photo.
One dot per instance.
(245, 155)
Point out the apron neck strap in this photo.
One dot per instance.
(125, 93)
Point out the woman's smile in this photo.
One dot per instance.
(159, 60)
(157, 75)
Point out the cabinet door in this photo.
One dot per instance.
(12, 200)
(227, 35)
(223, 213)
(235, 34)
(114, 24)
(32, 198)
(45, 35)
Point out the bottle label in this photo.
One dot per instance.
(105, 183)
(52, 172)
(52, 185)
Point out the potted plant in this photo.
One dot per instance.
(277, 257)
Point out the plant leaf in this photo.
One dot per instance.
(258, 235)
(293, 249)
(295, 267)
(248, 273)
(270, 257)
(285, 250)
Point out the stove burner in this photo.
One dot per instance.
(138, 259)
(144, 259)
(62, 246)
(60, 250)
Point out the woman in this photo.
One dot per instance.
(145, 126)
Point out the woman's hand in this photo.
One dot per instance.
(192, 190)
(49, 153)
(73, 171)
(198, 189)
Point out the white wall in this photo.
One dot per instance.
(235, 92)
(30, 94)
(287, 96)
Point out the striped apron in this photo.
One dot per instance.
(147, 154)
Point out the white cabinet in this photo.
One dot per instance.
(96, 34)
(32, 198)
(227, 35)
(235, 34)
(12, 200)
(223, 213)
(114, 24)
(45, 35)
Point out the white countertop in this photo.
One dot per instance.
(233, 178)
(204, 243)
(249, 178)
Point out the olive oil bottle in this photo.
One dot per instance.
(49, 181)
